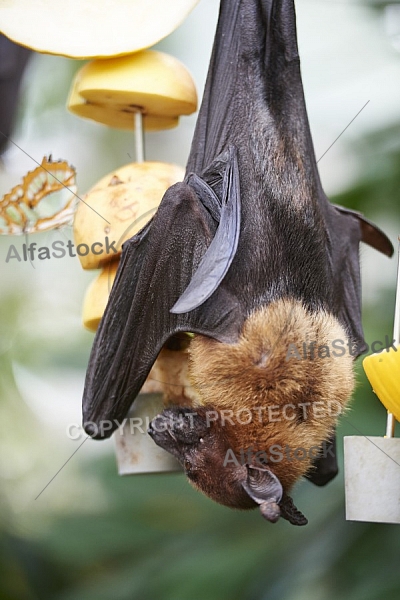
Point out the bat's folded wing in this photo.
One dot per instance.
(156, 267)
(214, 265)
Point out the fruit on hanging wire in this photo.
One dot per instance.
(89, 28)
(97, 294)
(383, 372)
(117, 207)
(111, 90)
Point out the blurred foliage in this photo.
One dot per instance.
(377, 190)
(380, 3)
(159, 539)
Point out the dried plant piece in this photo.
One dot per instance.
(44, 200)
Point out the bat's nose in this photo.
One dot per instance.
(158, 425)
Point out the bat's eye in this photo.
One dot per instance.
(201, 440)
(187, 465)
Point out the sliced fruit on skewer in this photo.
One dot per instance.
(114, 117)
(383, 372)
(154, 83)
(127, 198)
(97, 294)
(91, 29)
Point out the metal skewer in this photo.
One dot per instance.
(139, 136)
(391, 421)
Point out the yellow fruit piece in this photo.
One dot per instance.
(113, 117)
(127, 198)
(97, 294)
(89, 28)
(110, 91)
(383, 372)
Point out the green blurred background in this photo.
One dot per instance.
(92, 535)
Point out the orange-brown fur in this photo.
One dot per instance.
(255, 373)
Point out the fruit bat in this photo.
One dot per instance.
(247, 254)
(13, 59)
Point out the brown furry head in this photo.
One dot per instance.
(200, 445)
(265, 406)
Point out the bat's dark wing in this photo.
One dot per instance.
(347, 229)
(13, 59)
(253, 80)
(192, 231)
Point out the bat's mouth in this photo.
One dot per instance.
(161, 432)
(177, 429)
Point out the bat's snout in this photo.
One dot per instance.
(177, 428)
(161, 432)
(158, 425)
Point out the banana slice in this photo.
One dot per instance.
(383, 372)
(110, 91)
(91, 29)
(169, 373)
(114, 117)
(124, 200)
(97, 294)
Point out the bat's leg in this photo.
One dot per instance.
(325, 466)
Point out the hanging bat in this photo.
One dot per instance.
(13, 60)
(249, 256)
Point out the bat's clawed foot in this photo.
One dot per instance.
(271, 511)
(290, 512)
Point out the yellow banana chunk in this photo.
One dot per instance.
(113, 117)
(123, 202)
(383, 372)
(97, 294)
(89, 28)
(110, 91)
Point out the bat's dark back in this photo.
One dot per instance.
(254, 100)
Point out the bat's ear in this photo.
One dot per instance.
(264, 487)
